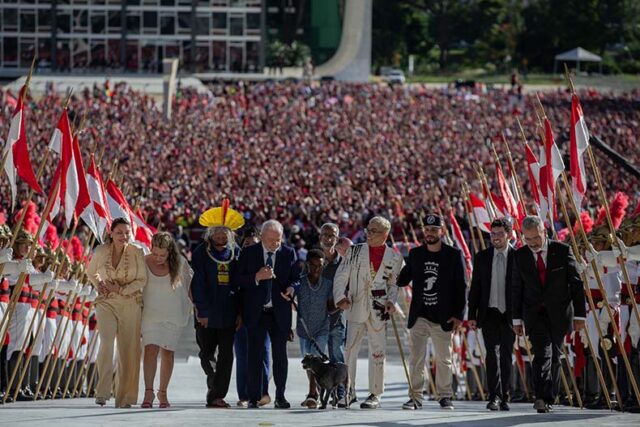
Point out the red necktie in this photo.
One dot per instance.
(542, 269)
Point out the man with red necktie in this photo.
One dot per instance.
(547, 300)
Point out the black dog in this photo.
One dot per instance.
(328, 376)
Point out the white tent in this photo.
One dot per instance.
(577, 55)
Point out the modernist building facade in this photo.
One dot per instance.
(132, 35)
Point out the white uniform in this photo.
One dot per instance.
(363, 286)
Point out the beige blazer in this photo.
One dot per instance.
(130, 273)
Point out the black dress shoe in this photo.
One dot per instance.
(253, 405)
(493, 405)
(282, 404)
(504, 406)
(23, 397)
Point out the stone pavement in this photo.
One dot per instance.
(187, 391)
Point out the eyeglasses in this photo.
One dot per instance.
(368, 231)
(328, 236)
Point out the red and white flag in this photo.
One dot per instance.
(533, 169)
(458, 238)
(55, 208)
(74, 194)
(511, 206)
(144, 232)
(16, 151)
(118, 205)
(120, 208)
(555, 167)
(543, 183)
(578, 145)
(480, 213)
(99, 207)
(520, 204)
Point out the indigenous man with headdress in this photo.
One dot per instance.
(215, 296)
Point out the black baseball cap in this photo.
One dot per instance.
(432, 220)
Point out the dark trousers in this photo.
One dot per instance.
(256, 334)
(498, 339)
(241, 347)
(3, 368)
(209, 340)
(546, 341)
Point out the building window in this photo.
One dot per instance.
(10, 50)
(167, 25)
(150, 20)
(219, 21)
(98, 22)
(253, 21)
(184, 23)
(80, 20)
(236, 26)
(202, 24)
(219, 59)
(64, 21)
(133, 23)
(115, 21)
(27, 21)
(44, 20)
(167, 2)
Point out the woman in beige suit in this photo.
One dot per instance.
(119, 272)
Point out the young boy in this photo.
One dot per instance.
(313, 297)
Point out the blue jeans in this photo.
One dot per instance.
(337, 337)
(240, 346)
(307, 347)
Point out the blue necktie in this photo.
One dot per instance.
(269, 282)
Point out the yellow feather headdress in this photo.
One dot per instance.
(222, 216)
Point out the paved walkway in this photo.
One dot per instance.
(187, 393)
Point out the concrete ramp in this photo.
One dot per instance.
(352, 60)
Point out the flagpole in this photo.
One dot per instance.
(65, 321)
(585, 284)
(83, 369)
(514, 174)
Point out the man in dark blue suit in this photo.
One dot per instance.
(268, 272)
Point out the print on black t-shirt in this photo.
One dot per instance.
(429, 289)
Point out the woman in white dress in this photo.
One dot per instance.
(166, 311)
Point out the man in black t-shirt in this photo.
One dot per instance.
(437, 273)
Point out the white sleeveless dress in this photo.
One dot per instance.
(166, 311)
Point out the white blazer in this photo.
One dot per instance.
(354, 279)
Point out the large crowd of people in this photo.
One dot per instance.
(313, 166)
(309, 154)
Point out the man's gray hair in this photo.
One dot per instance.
(332, 226)
(532, 221)
(272, 224)
(381, 221)
(231, 238)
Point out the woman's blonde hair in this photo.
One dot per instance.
(164, 240)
